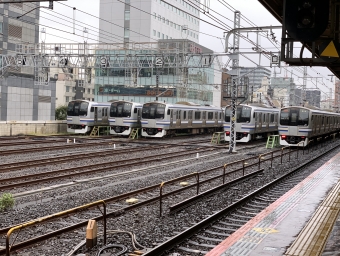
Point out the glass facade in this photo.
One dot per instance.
(139, 83)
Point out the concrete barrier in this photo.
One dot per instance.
(15, 128)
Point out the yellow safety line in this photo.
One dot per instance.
(313, 237)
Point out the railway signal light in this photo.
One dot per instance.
(306, 20)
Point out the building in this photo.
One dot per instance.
(284, 90)
(255, 76)
(25, 95)
(145, 82)
(148, 20)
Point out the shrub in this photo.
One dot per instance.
(6, 201)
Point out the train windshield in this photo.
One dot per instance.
(120, 109)
(153, 111)
(77, 108)
(243, 114)
(227, 114)
(294, 116)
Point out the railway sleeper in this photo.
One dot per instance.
(209, 239)
(231, 224)
(235, 220)
(224, 229)
(201, 244)
(192, 250)
(216, 233)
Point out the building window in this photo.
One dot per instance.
(127, 15)
(89, 91)
(162, 36)
(159, 34)
(167, 37)
(171, 23)
(67, 98)
(163, 20)
(154, 32)
(126, 33)
(154, 14)
(67, 88)
(159, 17)
(92, 92)
(167, 22)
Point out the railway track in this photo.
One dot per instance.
(200, 238)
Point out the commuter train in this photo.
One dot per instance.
(298, 125)
(161, 119)
(83, 115)
(252, 121)
(124, 116)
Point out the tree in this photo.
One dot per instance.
(61, 113)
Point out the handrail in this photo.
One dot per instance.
(56, 215)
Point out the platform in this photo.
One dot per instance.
(300, 222)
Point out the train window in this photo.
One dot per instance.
(272, 120)
(70, 107)
(168, 112)
(153, 111)
(184, 115)
(264, 118)
(211, 115)
(197, 115)
(220, 116)
(204, 115)
(135, 110)
(92, 109)
(227, 114)
(83, 108)
(178, 114)
(190, 114)
(243, 114)
(216, 115)
(303, 117)
(284, 117)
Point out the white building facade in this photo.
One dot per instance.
(148, 20)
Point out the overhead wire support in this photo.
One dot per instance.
(235, 74)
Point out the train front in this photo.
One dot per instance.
(295, 126)
(154, 121)
(78, 117)
(243, 126)
(123, 118)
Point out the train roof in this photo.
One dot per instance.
(258, 106)
(126, 101)
(188, 106)
(315, 110)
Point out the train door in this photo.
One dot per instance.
(178, 118)
(258, 122)
(216, 118)
(171, 117)
(204, 118)
(95, 115)
(190, 118)
(105, 116)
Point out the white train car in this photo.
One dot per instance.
(83, 115)
(252, 121)
(298, 125)
(160, 119)
(124, 116)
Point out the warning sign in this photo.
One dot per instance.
(330, 50)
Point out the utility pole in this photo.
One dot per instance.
(304, 85)
(235, 76)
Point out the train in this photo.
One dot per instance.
(163, 119)
(298, 125)
(252, 121)
(83, 115)
(124, 116)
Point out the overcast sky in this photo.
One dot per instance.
(210, 37)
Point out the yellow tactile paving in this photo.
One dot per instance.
(313, 237)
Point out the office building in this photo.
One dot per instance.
(148, 20)
(22, 96)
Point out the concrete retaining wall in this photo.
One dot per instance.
(14, 128)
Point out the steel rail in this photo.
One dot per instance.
(98, 168)
(160, 249)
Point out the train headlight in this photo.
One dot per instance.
(159, 129)
(283, 137)
(227, 133)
